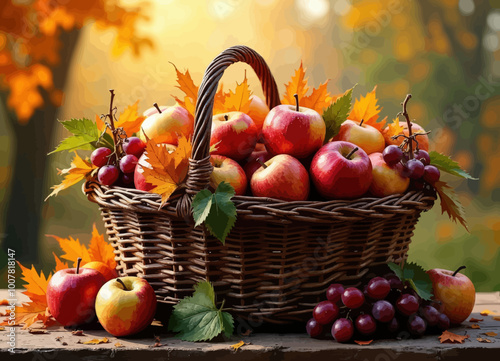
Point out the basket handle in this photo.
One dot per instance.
(198, 176)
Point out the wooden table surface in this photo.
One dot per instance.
(60, 344)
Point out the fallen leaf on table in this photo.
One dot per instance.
(236, 346)
(450, 337)
(37, 331)
(476, 319)
(157, 342)
(119, 345)
(96, 341)
(4, 302)
(363, 343)
(475, 326)
(77, 333)
(247, 332)
(64, 344)
(491, 334)
(58, 338)
(496, 318)
(487, 312)
(483, 340)
(2, 328)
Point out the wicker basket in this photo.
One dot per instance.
(280, 257)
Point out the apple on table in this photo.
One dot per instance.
(71, 295)
(364, 136)
(166, 125)
(229, 171)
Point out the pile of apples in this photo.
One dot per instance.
(123, 306)
(282, 154)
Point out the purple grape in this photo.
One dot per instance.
(365, 324)
(416, 325)
(128, 163)
(353, 298)
(392, 154)
(443, 322)
(334, 292)
(430, 315)
(313, 328)
(383, 311)
(100, 156)
(422, 156)
(108, 175)
(407, 304)
(378, 288)
(134, 146)
(393, 325)
(394, 281)
(431, 174)
(342, 330)
(415, 169)
(127, 179)
(325, 312)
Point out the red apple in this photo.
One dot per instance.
(423, 140)
(139, 180)
(235, 134)
(363, 135)
(281, 177)
(165, 127)
(341, 170)
(258, 111)
(108, 272)
(229, 171)
(253, 163)
(298, 133)
(71, 295)
(125, 305)
(153, 110)
(387, 179)
(455, 291)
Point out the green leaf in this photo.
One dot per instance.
(85, 136)
(448, 165)
(216, 210)
(396, 269)
(336, 114)
(197, 318)
(416, 277)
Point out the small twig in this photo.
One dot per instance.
(405, 114)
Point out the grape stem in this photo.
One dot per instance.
(405, 114)
(458, 270)
(117, 146)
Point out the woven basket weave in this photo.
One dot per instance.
(280, 257)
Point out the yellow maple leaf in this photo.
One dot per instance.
(130, 120)
(80, 169)
(298, 85)
(168, 170)
(220, 99)
(367, 109)
(236, 346)
(96, 341)
(186, 84)
(72, 249)
(59, 264)
(239, 100)
(100, 250)
(319, 99)
(393, 128)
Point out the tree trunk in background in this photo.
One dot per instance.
(32, 143)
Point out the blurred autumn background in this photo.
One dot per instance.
(59, 58)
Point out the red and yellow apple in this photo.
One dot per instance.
(165, 127)
(125, 305)
(71, 295)
(139, 180)
(229, 171)
(258, 111)
(456, 293)
(387, 179)
(423, 140)
(153, 110)
(298, 133)
(108, 272)
(234, 135)
(281, 177)
(364, 136)
(341, 170)
(253, 162)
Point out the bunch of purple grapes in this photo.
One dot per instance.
(417, 168)
(386, 307)
(119, 172)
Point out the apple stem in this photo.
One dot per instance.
(157, 107)
(296, 96)
(361, 123)
(78, 261)
(226, 118)
(348, 156)
(123, 284)
(261, 163)
(458, 270)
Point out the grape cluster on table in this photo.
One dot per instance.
(385, 308)
(418, 168)
(119, 172)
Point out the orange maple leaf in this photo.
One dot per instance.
(298, 85)
(220, 99)
(363, 343)
(72, 249)
(319, 99)
(168, 170)
(100, 250)
(59, 264)
(450, 337)
(367, 109)
(239, 100)
(450, 203)
(80, 169)
(186, 84)
(393, 128)
(129, 120)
